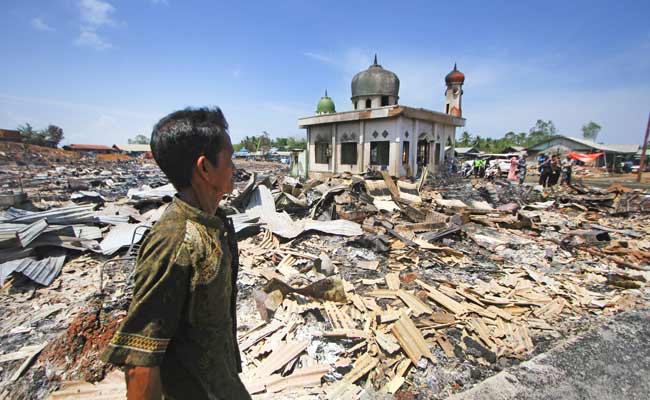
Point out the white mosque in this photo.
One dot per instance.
(380, 133)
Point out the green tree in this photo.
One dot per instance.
(53, 134)
(249, 143)
(294, 143)
(521, 138)
(139, 139)
(280, 142)
(511, 137)
(465, 140)
(541, 131)
(264, 142)
(27, 133)
(590, 131)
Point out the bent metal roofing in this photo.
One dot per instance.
(611, 148)
(88, 147)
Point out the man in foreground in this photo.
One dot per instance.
(179, 340)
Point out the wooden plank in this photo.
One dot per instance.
(416, 305)
(383, 293)
(387, 342)
(392, 280)
(358, 302)
(389, 316)
(301, 378)
(346, 333)
(445, 344)
(479, 327)
(284, 353)
(393, 385)
(369, 265)
(501, 313)
(392, 188)
(254, 337)
(479, 310)
(362, 366)
(440, 298)
(411, 339)
(338, 318)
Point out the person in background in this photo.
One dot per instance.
(567, 167)
(477, 167)
(544, 168)
(481, 168)
(521, 166)
(467, 169)
(512, 173)
(556, 170)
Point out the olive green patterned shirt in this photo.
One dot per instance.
(181, 317)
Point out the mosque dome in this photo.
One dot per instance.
(375, 81)
(325, 105)
(455, 76)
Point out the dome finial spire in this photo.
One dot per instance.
(375, 63)
(455, 68)
(325, 92)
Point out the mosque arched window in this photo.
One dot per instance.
(368, 103)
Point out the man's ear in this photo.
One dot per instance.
(201, 167)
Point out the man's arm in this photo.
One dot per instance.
(143, 383)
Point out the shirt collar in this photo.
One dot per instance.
(198, 215)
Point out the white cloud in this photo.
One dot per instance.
(96, 13)
(40, 25)
(318, 57)
(90, 38)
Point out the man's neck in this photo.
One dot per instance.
(201, 200)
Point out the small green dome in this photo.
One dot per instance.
(325, 105)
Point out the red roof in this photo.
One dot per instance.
(10, 134)
(455, 76)
(88, 147)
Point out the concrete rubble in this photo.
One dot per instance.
(354, 287)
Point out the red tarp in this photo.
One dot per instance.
(586, 158)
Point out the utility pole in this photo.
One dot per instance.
(643, 151)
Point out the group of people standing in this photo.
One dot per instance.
(552, 170)
(517, 169)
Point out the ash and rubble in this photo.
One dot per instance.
(350, 287)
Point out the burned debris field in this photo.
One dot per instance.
(351, 287)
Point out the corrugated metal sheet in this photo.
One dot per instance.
(262, 206)
(40, 271)
(63, 216)
(152, 194)
(14, 254)
(20, 235)
(121, 236)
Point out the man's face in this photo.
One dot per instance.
(221, 176)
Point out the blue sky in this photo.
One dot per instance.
(106, 70)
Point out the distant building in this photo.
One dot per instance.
(242, 153)
(466, 153)
(513, 149)
(133, 149)
(613, 153)
(378, 133)
(10, 135)
(89, 148)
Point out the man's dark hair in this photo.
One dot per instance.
(183, 136)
